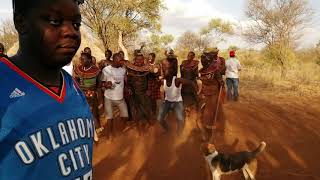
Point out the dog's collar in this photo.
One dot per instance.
(212, 155)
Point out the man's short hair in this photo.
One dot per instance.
(109, 51)
(24, 6)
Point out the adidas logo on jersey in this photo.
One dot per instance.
(17, 93)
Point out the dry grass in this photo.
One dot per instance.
(301, 80)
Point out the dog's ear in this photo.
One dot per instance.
(211, 147)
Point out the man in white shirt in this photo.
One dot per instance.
(173, 99)
(113, 80)
(232, 74)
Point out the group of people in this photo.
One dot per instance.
(134, 87)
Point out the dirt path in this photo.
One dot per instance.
(290, 127)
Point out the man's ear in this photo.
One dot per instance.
(20, 23)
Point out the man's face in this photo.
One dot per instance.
(87, 50)
(190, 56)
(53, 31)
(107, 55)
(85, 60)
(215, 55)
(169, 70)
(205, 61)
(151, 59)
(139, 61)
(116, 61)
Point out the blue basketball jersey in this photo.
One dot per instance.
(43, 135)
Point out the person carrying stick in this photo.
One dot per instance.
(211, 94)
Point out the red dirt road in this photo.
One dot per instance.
(290, 127)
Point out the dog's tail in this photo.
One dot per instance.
(261, 147)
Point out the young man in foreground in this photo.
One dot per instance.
(46, 127)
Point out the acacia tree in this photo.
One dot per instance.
(216, 30)
(278, 25)
(107, 17)
(158, 42)
(210, 35)
(188, 41)
(8, 34)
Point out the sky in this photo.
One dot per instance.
(184, 15)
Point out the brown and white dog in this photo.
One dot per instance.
(220, 163)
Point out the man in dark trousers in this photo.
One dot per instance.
(232, 73)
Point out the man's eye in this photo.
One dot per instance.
(55, 22)
(77, 25)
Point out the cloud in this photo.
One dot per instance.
(192, 15)
(5, 14)
(182, 15)
(5, 11)
(310, 37)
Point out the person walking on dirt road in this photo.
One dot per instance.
(189, 69)
(211, 94)
(232, 74)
